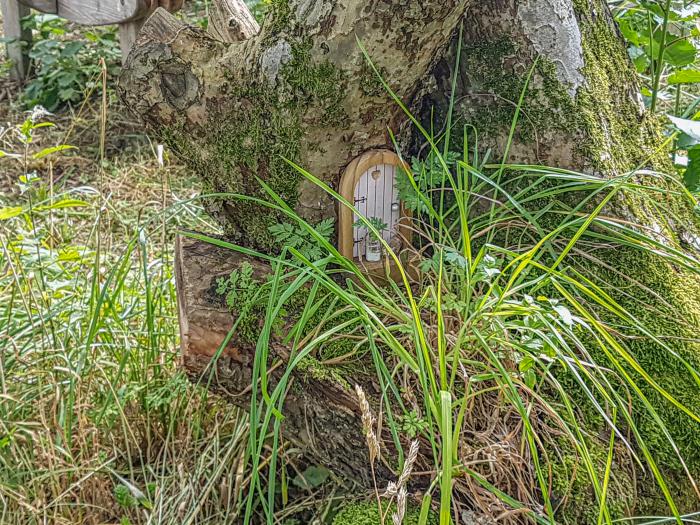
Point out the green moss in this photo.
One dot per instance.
(370, 83)
(317, 83)
(666, 301)
(279, 17)
(613, 135)
(255, 138)
(311, 367)
(618, 137)
(651, 501)
(571, 486)
(364, 513)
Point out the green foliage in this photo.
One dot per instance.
(689, 141)
(411, 425)
(246, 297)
(663, 43)
(363, 513)
(427, 174)
(64, 68)
(259, 8)
(240, 288)
(501, 321)
(293, 236)
(93, 394)
(123, 496)
(313, 477)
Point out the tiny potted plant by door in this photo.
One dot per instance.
(373, 244)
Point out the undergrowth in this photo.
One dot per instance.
(97, 422)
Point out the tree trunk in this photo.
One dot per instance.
(302, 90)
(299, 90)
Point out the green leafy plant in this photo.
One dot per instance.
(428, 175)
(507, 340)
(292, 236)
(375, 222)
(93, 396)
(663, 43)
(689, 141)
(65, 65)
(246, 297)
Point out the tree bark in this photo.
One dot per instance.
(299, 90)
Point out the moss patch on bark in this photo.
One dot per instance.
(258, 136)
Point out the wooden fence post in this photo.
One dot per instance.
(18, 46)
(127, 35)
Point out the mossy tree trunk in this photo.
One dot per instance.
(583, 111)
(235, 106)
(300, 89)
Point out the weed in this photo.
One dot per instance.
(63, 71)
(97, 422)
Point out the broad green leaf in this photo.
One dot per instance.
(312, 477)
(680, 54)
(49, 151)
(689, 127)
(63, 203)
(684, 76)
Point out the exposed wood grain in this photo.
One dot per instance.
(231, 21)
(102, 12)
(12, 14)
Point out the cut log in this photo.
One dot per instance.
(322, 417)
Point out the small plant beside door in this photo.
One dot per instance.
(372, 243)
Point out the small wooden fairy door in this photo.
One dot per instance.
(369, 182)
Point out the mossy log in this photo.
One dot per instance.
(322, 415)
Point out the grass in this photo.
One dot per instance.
(97, 422)
(485, 339)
